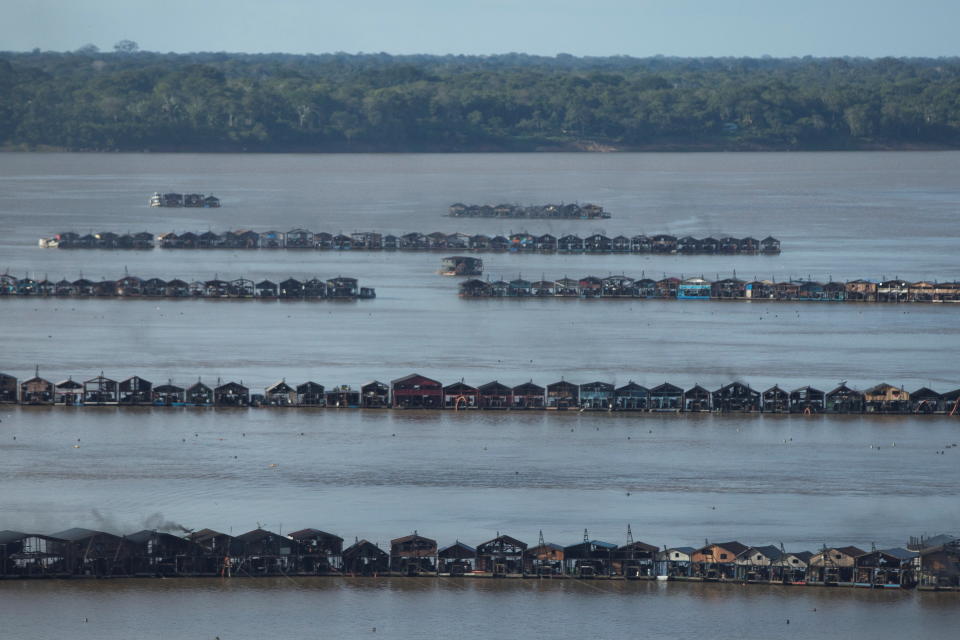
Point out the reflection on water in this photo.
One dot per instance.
(382, 474)
(429, 608)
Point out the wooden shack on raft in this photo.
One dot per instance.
(365, 558)
(265, 553)
(135, 391)
(717, 561)
(34, 555)
(280, 394)
(375, 395)
(415, 391)
(320, 552)
(736, 397)
(168, 394)
(460, 395)
(96, 553)
(775, 400)
(843, 399)
(502, 555)
(563, 395)
(886, 398)
(231, 394)
(631, 397)
(199, 394)
(68, 393)
(528, 396)
(833, 565)
(589, 558)
(413, 555)
(494, 395)
(8, 389)
(155, 553)
(342, 396)
(456, 559)
(100, 391)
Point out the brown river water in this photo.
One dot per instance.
(676, 479)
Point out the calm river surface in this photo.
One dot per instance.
(379, 475)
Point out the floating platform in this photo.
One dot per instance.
(621, 287)
(132, 287)
(547, 211)
(195, 200)
(461, 266)
(85, 553)
(522, 242)
(418, 392)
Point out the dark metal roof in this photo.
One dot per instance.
(733, 546)
(900, 553)
(414, 376)
(457, 545)
(79, 533)
(7, 536)
(770, 551)
(305, 534)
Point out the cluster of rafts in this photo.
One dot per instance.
(699, 288)
(572, 211)
(339, 288)
(371, 241)
(416, 391)
(81, 552)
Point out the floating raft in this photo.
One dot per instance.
(339, 288)
(549, 211)
(624, 287)
(416, 391)
(522, 242)
(196, 200)
(79, 552)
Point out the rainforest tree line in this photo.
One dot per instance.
(132, 100)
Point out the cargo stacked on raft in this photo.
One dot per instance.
(195, 200)
(521, 242)
(549, 211)
(339, 288)
(699, 288)
(78, 552)
(416, 391)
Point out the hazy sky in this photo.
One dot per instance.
(546, 27)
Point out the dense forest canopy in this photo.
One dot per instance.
(129, 100)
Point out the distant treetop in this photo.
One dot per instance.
(211, 101)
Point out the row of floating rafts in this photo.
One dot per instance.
(135, 287)
(420, 392)
(312, 552)
(571, 211)
(698, 288)
(197, 200)
(415, 241)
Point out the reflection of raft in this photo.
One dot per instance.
(461, 266)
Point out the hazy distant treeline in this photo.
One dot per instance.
(337, 102)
